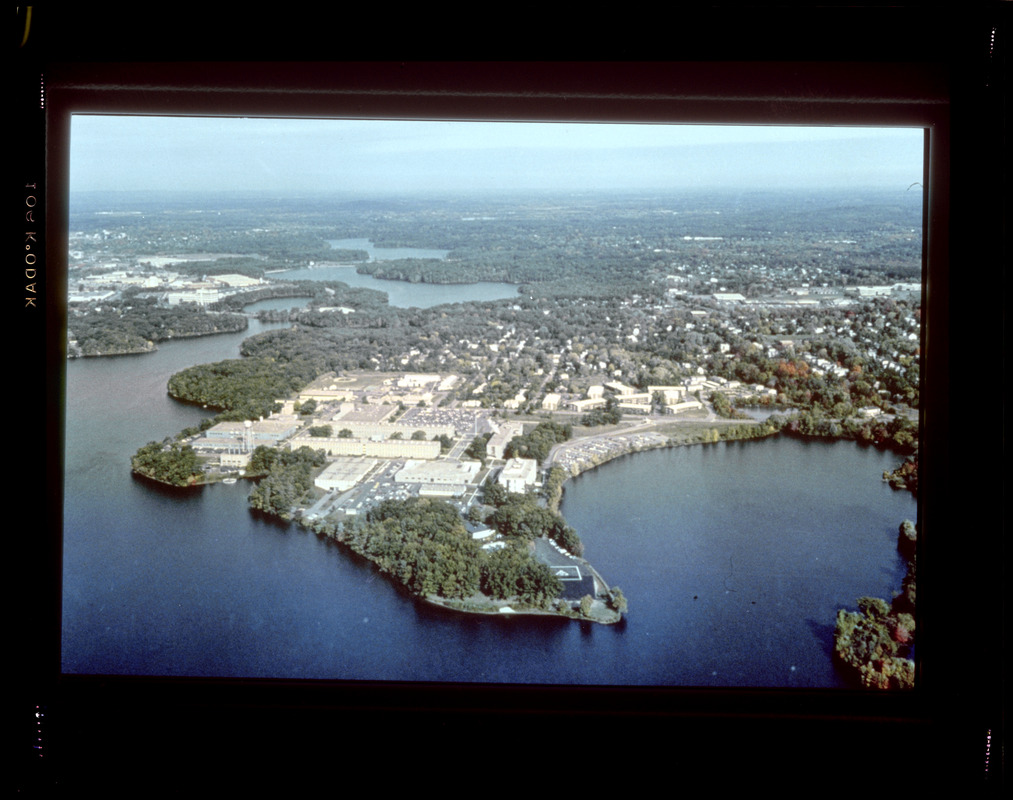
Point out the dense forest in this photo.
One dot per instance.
(174, 464)
(423, 544)
(245, 388)
(136, 324)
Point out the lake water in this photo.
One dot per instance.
(401, 294)
(386, 253)
(734, 558)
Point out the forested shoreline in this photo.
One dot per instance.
(875, 645)
(138, 325)
(423, 545)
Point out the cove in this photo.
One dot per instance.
(735, 556)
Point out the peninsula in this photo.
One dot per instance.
(441, 499)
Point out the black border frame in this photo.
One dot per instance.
(867, 66)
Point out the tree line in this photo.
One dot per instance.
(134, 324)
(875, 643)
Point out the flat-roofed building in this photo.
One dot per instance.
(90, 297)
(870, 291)
(201, 295)
(586, 405)
(349, 411)
(263, 430)
(235, 460)
(496, 446)
(372, 448)
(407, 398)
(669, 388)
(343, 473)
(417, 380)
(245, 436)
(386, 430)
(235, 280)
(439, 478)
(519, 474)
(678, 408)
(326, 395)
(672, 394)
(634, 408)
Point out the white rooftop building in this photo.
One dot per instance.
(439, 478)
(519, 474)
(344, 473)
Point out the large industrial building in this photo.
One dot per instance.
(245, 437)
(343, 473)
(371, 448)
(439, 478)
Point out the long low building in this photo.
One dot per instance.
(327, 395)
(678, 408)
(586, 405)
(343, 473)
(244, 437)
(384, 430)
(634, 408)
(372, 448)
(439, 478)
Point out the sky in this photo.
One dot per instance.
(400, 157)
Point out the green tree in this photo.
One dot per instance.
(618, 600)
(307, 408)
(174, 464)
